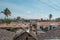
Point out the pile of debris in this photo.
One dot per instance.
(6, 35)
(53, 34)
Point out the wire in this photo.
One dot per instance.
(54, 4)
(49, 5)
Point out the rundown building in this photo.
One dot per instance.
(25, 36)
(48, 25)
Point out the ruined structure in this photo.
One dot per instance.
(25, 36)
(6, 35)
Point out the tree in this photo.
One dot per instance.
(7, 20)
(18, 18)
(50, 16)
(41, 19)
(57, 19)
(6, 12)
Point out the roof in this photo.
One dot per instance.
(48, 23)
(14, 25)
(24, 25)
(32, 34)
(6, 35)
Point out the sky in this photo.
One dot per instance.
(31, 9)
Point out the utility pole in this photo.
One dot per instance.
(30, 26)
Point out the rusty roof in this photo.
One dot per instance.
(14, 25)
(23, 25)
(48, 23)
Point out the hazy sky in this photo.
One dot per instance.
(31, 8)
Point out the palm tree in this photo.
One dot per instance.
(6, 12)
(50, 16)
